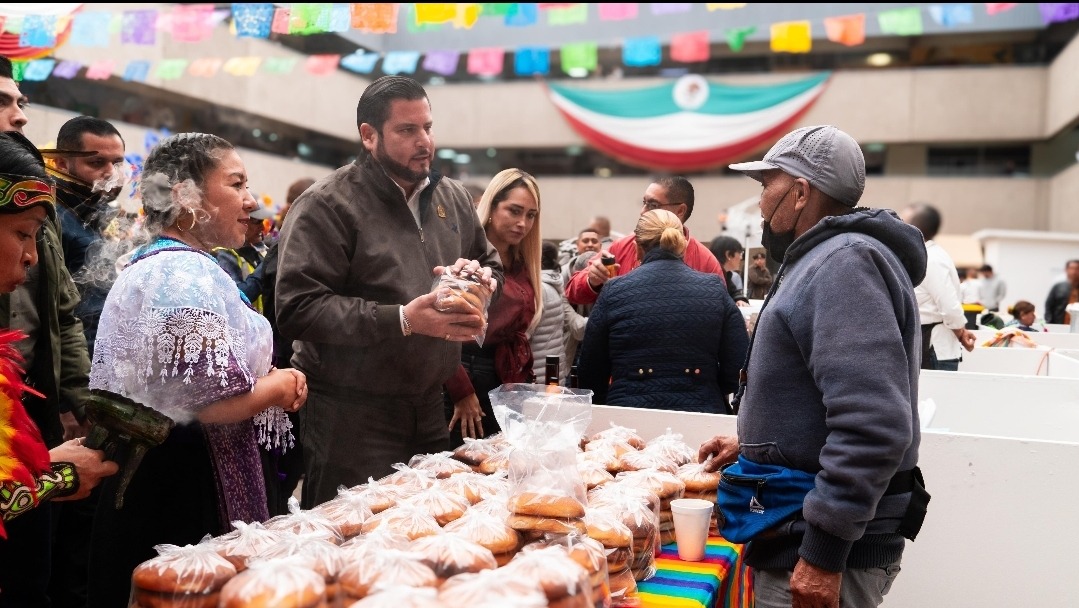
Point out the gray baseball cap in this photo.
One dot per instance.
(828, 158)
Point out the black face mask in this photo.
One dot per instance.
(777, 243)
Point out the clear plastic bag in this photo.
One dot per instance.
(672, 446)
(440, 504)
(543, 425)
(487, 531)
(245, 541)
(450, 554)
(280, 582)
(590, 554)
(441, 465)
(401, 597)
(382, 571)
(620, 433)
(409, 479)
(561, 578)
(463, 292)
(475, 487)
(407, 519)
(349, 511)
(323, 556)
(491, 589)
(188, 577)
(306, 522)
(638, 508)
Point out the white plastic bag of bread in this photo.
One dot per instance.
(281, 583)
(450, 554)
(299, 521)
(497, 506)
(672, 446)
(361, 548)
(245, 541)
(491, 589)
(667, 487)
(379, 496)
(382, 571)
(463, 292)
(638, 508)
(410, 520)
(349, 511)
(408, 479)
(189, 576)
(475, 487)
(324, 557)
(565, 582)
(488, 531)
(543, 424)
(439, 503)
(441, 465)
(619, 433)
(593, 471)
(587, 552)
(474, 451)
(642, 460)
(401, 597)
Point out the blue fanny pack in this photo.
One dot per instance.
(755, 497)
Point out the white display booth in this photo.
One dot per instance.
(1000, 528)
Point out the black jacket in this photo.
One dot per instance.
(1057, 302)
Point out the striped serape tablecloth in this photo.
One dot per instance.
(720, 580)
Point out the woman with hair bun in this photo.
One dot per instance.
(178, 336)
(664, 336)
(1024, 317)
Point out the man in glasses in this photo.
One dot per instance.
(675, 194)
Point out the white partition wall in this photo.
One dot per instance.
(1026, 407)
(1000, 529)
(1014, 361)
(1042, 339)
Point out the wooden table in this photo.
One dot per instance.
(720, 580)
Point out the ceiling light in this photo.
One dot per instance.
(462, 159)
(491, 153)
(447, 153)
(879, 60)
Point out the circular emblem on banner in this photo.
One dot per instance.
(690, 92)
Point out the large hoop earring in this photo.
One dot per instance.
(188, 229)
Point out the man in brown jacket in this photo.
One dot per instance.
(357, 263)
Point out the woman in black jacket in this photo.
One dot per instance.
(664, 336)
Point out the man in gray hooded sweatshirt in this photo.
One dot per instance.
(831, 382)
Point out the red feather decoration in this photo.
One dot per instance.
(23, 454)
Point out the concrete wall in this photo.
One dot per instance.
(1062, 100)
(1063, 200)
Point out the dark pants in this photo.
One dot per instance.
(73, 521)
(348, 438)
(24, 559)
(481, 371)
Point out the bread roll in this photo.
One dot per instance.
(191, 570)
(407, 519)
(486, 531)
(491, 589)
(392, 568)
(280, 584)
(441, 465)
(547, 505)
(449, 555)
(538, 523)
(440, 504)
(698, 480)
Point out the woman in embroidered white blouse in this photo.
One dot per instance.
(178, 336)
